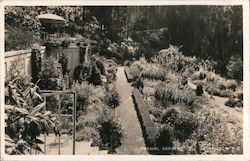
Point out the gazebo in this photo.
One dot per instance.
(52, 26)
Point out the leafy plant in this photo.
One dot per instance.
(110, 132)
(84, 91)
(112, 98)
(26, 119)
(51, 77)
(183, 122)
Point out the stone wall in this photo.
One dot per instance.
(23, 57)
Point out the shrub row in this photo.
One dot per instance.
(149, 129)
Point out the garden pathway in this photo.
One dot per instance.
(133, 142)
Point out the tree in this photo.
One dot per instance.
(235, 68)
(63, 60)
(36, 63)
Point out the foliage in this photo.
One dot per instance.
(171, 93)
(149, 129)
(234, 102)
(17, 69)
(199, 90)
(112, 98)
(36, 64)
(65, 43)
(153, 71)
(165, 139)
(213, 31)
(25, 119)
(182, 121)
(63, 60)
(82, 73)
(95, 77)
(18, 39)
(219, 136)
(235, 68)
(86, 128)
(111, 133)
(51, 77)
(83, 91)
(110, 68)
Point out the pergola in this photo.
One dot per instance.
(52, 26)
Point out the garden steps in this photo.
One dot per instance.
(85, 148)
(82, 147)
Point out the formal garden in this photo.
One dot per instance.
(108, 85)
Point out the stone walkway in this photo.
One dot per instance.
(133, 142)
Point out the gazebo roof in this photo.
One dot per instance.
(51, 18)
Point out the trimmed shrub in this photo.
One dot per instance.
(36, 64)
(149, 129)
(199, 90)
(95, 77)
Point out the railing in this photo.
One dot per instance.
(56, 36)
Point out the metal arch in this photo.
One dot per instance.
(47, 93)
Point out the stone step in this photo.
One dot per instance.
(83, 148)
(103, 152)
(94, 151)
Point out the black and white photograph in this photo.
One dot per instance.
(124, 80)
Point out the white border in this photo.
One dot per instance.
(246, 79)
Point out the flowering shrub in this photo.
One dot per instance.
(51, 77)
(171, 94)
(83, 91)
(153, 71)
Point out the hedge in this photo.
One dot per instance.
(150, 132)
(128, 75)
